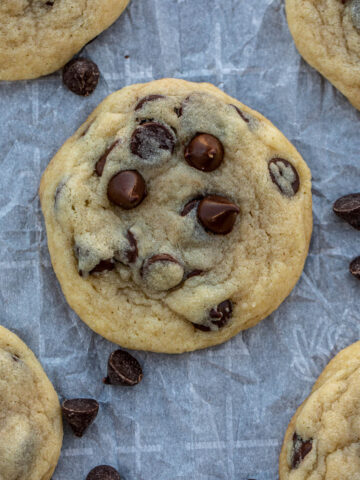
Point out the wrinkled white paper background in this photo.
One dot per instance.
(218, 414)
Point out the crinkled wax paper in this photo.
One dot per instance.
(218, 414)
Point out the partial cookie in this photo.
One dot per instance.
(327, 35)
(322, 441)
(38, 37)
(30, 414)
(176, 217)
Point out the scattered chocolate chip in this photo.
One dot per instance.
(348, 208)
(149, 98)
(127, 189)
(219, 316)
(190, 206)
(242, 114)
(123, 369)
(80, 413)
(126, 56)
(205, 152)
(132, 252)
(355, 267)
(217, 214)
(149, 137)
(355, 13)
(300, 449)
(100, 164)
(81, 76)
(284, 176)
(103, 472)
(103, 266)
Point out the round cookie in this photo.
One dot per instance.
(322, 441)
(30, 414)
(327, 35)
(38, 37)
(176, 217)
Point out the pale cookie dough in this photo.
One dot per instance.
(30, 414)
(322, 441)
(327, 35)
(38, 37)
(213, 226)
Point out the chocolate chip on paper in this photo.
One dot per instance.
(81, 76)
(80, 413)
(348, 208)
(103, 472)
(354, 267)
(123, 369)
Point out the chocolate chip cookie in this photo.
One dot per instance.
(327, 35)
(39, 36)
(322, 441)
(30, 414)
(176, 217)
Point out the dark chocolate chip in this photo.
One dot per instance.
(127, 189)
(217, 214)
(80, 413)
(132, 252)
(103, 266)
(242, 114)
(194, 273)
(219, 316)
(284, 176)
(100, 164)
(348, 208)
(300, 449)
(178, 111)
(149, 137)
(190, 206)
(205, 152)
(149, 98)
(103, 472)
(355, 267)
(161, 257)
(81, 76)
(355, 13)
(123, 369)
(50, 3)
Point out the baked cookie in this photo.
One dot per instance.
(30, 414)
(322, 441)
(327, 35)
(176, 217)
(39, 36)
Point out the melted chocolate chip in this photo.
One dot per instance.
(103, 266)
(103, 472)
(123, 369)
(149, 137)
(242, 114)
(161, 257)
(284, 176)
(190, 206)
(194, 273)
(81, 76)
(219, 316)
(217, 214)
(80, 413)
(355, 267)
(300, 449)
(149, 98)
(127, 189)
(100, 164)
(162, 272)
(355, 13)
(132, 252)
(348, 208)
(205, 152)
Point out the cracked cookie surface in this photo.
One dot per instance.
(322, 441)
(30, 414)
(38, 37)
(176, 217)
(327, 35)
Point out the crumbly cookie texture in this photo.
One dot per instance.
(322, 441)
(327, 35)
(38, 37)
(30, 414)
(176, 217)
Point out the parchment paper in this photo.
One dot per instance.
(216, 414)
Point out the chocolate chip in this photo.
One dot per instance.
(355, 13)
(178, 111)
(194, 273)
(50, 3)
(123, 369)
(217, 214)
(80, 413)
(149, 98)
(348, 208)
(190, 206)
(15, 357)
(103, 266)
(100, 164)
(162, 272)
(284, 175)
(355, 267)
(127, 189)
(58, 191)
(149, 137)
(81, 76)
(205, 152)
(103, 472)
(242, 114)
(219, 316)
(132, 252)
(300, 449)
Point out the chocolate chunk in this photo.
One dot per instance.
(149, 137)
(285, 176)
(348, 208)
(300, 449)
(149, 98)
(217, 214)
(103, 472)
(81, 76)
(100, 164)
(190, 206)
(219, 316)
(103, 266)
(162, 272)
(355, 13)
(205, 152)
(123, 369)
(355, 267)
(127, 189)
(242, 114)
(80, 413)
(132, 252)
